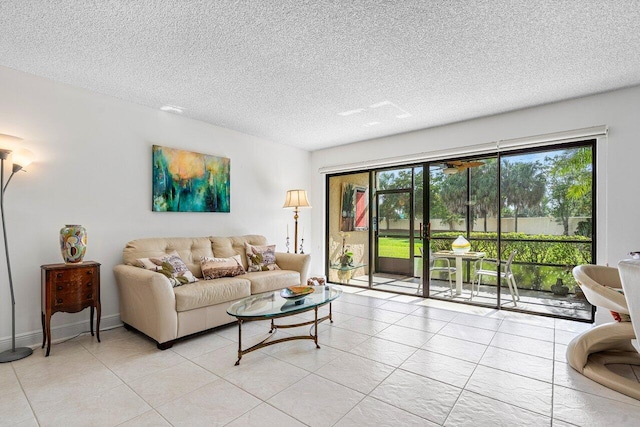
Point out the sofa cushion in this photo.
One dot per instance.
(190, 250)
(172, 267)
(210, 292)
(261, 258)
(265, 281)
(224, 247)
(214, 268)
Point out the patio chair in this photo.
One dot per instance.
(506, 274)
(445, 266)
(610, 343)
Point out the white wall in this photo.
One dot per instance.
(618, 226)
(94, 168)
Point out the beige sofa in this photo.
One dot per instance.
(150, 304)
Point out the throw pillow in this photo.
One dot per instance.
(261, 258)
(147, 264)
(213, 268)
(619, 317)
(172, 266)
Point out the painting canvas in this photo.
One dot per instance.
(184, 181)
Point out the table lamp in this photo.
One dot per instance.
(296, 199)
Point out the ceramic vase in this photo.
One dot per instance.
(461, 245)
(73, 243)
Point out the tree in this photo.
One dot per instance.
(484, 189)
(453, 193)
(522, 186)
(570, 178)
(393, 206)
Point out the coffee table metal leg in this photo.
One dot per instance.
(269, 340)
(315, 337)
(239, 341)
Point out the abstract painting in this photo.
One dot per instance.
(184, 181)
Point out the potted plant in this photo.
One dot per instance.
(560, 288)
(348, 208)
(346, 259)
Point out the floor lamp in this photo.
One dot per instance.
(296, 199)
(21, 159)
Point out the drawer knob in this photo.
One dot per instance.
(89, 296)
(59, 288)
(59, 301)
(59, 275)
(89, 284)
(90, 272)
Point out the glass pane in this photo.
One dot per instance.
(394, 214)
(547, 200)
(458, 189)
(483, 200)
(447, 202)
(348, 232)
(397, 179)
(394, 255)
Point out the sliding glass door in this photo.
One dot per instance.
(348, 229)
(547, 200)
(528, 216)
(463, 202)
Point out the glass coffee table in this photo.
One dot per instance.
(271, 305)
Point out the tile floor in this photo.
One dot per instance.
(386, 361)
(530, 300)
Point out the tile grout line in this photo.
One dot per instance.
(24, 393)
(463, 388)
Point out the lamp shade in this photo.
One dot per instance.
(296, 199)
(8, 142)
(22, 157)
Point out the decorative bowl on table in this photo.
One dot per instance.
(296, 293)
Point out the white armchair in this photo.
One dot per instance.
(610, 343)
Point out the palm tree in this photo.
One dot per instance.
(522, 186)
(484, 189)
(453, 193)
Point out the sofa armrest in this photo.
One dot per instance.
(147, 302)
(295, 262)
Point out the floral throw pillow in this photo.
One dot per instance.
(261, 258)
(214, 268)
(171, 266)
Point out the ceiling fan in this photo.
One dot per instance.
(455, 166)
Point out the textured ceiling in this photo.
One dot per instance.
(283, 70)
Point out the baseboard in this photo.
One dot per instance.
(59, 333)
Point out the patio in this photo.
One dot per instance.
(533, 301)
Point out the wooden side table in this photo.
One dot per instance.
(69, 288)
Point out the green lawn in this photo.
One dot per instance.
(396, 248)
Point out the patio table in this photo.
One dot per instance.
(459, 257)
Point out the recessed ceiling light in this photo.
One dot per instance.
(403, 116)
(172, 109)
(371, 124)
(350, 112)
